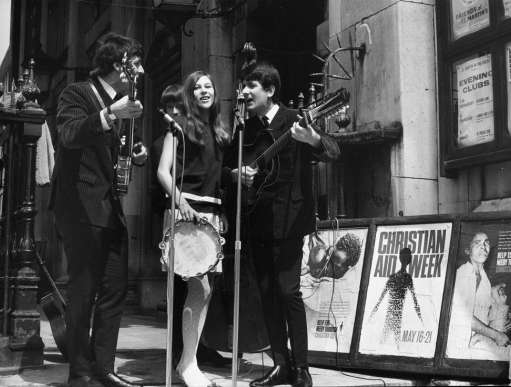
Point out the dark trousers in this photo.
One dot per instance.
(98, 275)
(278, 265)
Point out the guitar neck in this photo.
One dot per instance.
(132, 91)
(280, 142)
(328, 108)
(132, 95)
(274, 148)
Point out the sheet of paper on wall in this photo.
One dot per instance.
(469, 16)
(475, 101)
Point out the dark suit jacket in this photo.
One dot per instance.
(83, 176)
(286, 208)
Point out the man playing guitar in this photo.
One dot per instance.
(88, 212)
(277, 223)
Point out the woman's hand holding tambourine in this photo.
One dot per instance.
(187, 212)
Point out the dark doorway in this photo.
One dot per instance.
(284, 33)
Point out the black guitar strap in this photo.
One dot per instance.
(96, 93)
(102, 103)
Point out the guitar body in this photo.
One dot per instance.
(268, 167)
(54, 306)
(54, 310)
(263, 152)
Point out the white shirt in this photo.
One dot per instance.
(270, 114)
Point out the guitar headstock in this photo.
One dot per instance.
(130, 73)
(330, 106)
(249, 55)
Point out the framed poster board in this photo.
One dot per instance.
(419, 297)
(405, 279)
(478, 324)
(405, 290)
(330, 281)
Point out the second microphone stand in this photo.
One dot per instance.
(170, 261)
(239, 126)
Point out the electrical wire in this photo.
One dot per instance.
(330, 311)
(203, 14)
(363, 378)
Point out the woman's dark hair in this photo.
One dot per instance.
(172, 95)
(267, 75)
(195, 127)
(110, 49)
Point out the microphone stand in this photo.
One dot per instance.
(240, 126)
(170, 261)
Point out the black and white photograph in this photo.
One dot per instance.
(255, 193)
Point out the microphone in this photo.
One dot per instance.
(242, 106)
(240, 112)
(169, 120)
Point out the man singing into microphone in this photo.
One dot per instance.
(278, 222)
(88, 211)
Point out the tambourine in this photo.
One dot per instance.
(197, 248)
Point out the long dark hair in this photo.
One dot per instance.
(110, 48)
(195, 127)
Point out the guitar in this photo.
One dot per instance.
(262, 154)
(54, 306)
(124, 164)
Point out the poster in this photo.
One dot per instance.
(475, 101)
(405, 290)
(469, 16)
(507, 8)
(479, 323)
(330, 281)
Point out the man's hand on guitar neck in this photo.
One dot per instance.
(126, 108)
(247, 175)
(307, 135)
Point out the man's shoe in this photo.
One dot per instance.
(277, 375)
(83, 381)
(114, 380)
(303, 378)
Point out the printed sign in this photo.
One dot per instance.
(507, 7)
(508, 73)
(475, 101)
(330, 281)
(469, 16)
(405, 289)
(479, 324)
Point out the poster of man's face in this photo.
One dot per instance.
(479, 325)
(405, 290)
(330, 281)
